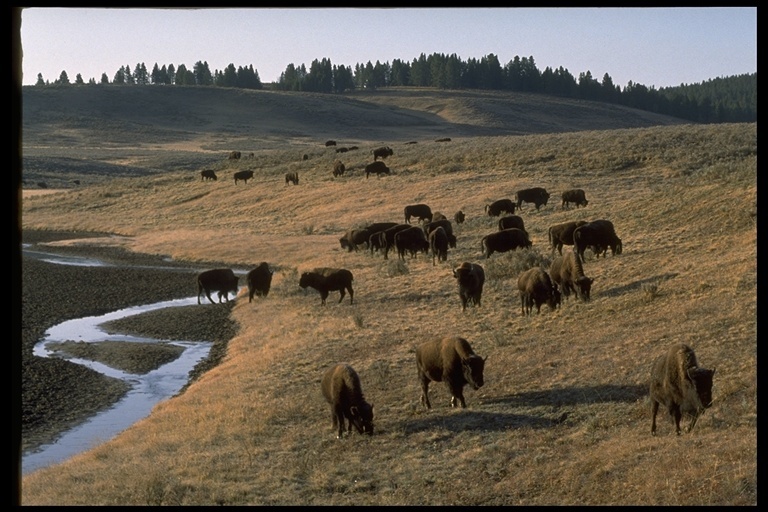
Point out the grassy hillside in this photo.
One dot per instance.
(564, 416)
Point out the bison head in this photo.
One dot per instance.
(362, 417)
(583, 287)
(473, 370)
(702, 382)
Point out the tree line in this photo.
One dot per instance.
(719, 100)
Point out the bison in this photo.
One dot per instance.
(420, 211)
(341, 388)
(470, 278)
(680, 385)
(387, 237)
(259, 280)
(353, 238)
(221, 280)
(342, 150)
(511, 221)
(443, 139)
(536, 288)
(504, 240)
(243, 175)
(208, 174)
(438, 244)
(438, 216)
(330, 143)
(375, 229)
(450, 360)
(501, 205)
(326, 280)
(459, 217)
(338, 168)
(447, 227)
(575, 195)
(377, 168)
(305, 157)
(382, 152)
(536, 195)
(562, 234)
(412, 240)
(567, 273)
(292, 177)
(235, 155)
(599, 234)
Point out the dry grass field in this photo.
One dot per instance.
(564, 415)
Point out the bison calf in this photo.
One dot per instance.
(221, 280)
(326, 280)
(342, 390)
(680, 385)
(259, 281)
(450, 360)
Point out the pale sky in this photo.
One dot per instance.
(655, 47)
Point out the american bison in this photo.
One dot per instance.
(305, 157)
(354, 238)
(341, 388)
(459, 217)
(330, 143)
(382, 152)
(374, 229)
(338, 168)
(536, 288)
(576, 196)
(438, 216)
(438, 244)
(536, 195)
(511, 221)
(208, 174)
(500, 206)
(259, 280)
(443, 139)
(377, 168)
(292, 177)
(446, 225)
(598, 234)
(450, 360)
(235, 155)
(411, 240)
(470, 277)
(504, 240)
(221, 280)
(567, 273)
(562, 234)
(680, 385)
(326, 280)
(387, 238)
(243, 175)
(420, 211)
(342, 150)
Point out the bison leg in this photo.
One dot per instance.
(457, 398)
(351, 294)
(675, 411)
(323, 296)
(208, 294)
(425, 391)
(654, 411)
(693, 422)
(338, 421)
(342, 293)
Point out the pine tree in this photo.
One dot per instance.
(104, 79)
(40, 79)
(63, 78)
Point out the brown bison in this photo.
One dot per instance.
(259, 280)
(354, 238)
(305, 157)
(326, 280)
(576, 196)
(429, 227)
(598, 234)
(470, 277)
(567, 273)
(504, 240)
(221, 280)
(459, 217)
(443, 139)
(500, 206)
(338, 168)
(342, 150)
(387, 238)
(342, 390)
(243, 175)
(536, 195)
(413, 240)
(235, 155)
(438, 244)
(536, 288)
(562, 234)
(377, 168)
(208, 174)
(680, 385)
(420, 211)
(330, 143)
(511, 221)
(438, 216)
(382, 152)
(292, 177)
(450, 360)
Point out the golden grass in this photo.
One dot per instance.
(564, 417)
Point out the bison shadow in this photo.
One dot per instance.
(637, 285)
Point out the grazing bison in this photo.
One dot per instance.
(599, 234)
(235, 155)
(208, 174)
(259, 281)
(243, 175)
(459, 217)
(221, 280)
(382, 152)
(568, 274)
(305, 157)
(446, 225)
(511, 221)
(326, 280)
(342, 390)
(575, 195)
(377, 168)
(387, 238)
(504, 240)
(536, 195)
(500, 206)
(438, 244)
(680, 385)
(450, 360)
(352, 148)
(443, 139)
(338, 168)
(420, 211)
(353, 238)
(292, 177)
(330, 143)
(470, 278)
(536, 288)
(412, 240)
(562, 234)
(342, 150)
(375, 229)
